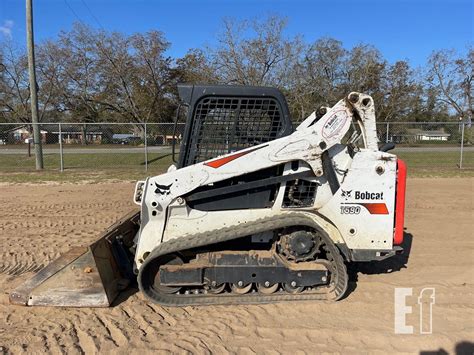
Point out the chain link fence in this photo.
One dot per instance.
(91, 148)
(132, 147)
(443, 145)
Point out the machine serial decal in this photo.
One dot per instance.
(372, 207)
(217, 163)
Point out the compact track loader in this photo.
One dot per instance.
(252, 212)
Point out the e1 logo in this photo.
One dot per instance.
(425, 302)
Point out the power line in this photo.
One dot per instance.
(72, 10)
(93, 16)
(88, 10)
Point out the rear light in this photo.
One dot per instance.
(400, 202)
(138, 195)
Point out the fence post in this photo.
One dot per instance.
(386, 138)
(61, 158)
(462, 144)
(146, 150)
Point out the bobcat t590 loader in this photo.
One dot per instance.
(253, 212)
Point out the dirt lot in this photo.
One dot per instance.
(39, 222)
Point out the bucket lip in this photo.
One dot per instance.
(84, 276)
(21, 295)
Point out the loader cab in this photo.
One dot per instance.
(222, 119)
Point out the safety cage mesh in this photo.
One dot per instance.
(223, 125)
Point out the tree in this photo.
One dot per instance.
(399, 92)
(138, 77)
(195, 67)
(14, 100)
(317, 78)
(255, 52)
(364, 69)
(49, 68)
(79, 79)
(88, 75)
(102, 76)
(14, 85)
(451, 77)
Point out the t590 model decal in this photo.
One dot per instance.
(372, 207)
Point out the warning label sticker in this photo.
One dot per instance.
(334, 124)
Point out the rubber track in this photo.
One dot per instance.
(225, 234)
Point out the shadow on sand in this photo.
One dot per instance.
(125, 295)
(462, 348)
(392, 264)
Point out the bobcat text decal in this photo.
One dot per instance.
(359, 195)
(362, 195)
(354, 207)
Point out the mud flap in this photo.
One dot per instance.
(84, 276)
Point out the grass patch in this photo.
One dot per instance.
(70, 176)
(437, 164)
(18, 168)
(24, 147)
(82, 167)
(20, 163)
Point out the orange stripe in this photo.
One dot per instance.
(222, 161)
(376, 208)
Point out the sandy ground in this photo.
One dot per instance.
(37, 223)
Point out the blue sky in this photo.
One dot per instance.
(400, 29)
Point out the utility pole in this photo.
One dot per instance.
(33, 88)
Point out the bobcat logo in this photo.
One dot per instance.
(162, 189)
(346, 194)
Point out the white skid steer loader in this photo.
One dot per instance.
(253, 212)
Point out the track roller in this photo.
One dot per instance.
(292, 287)
(240, 288)
(215, 289)
(267, 288)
